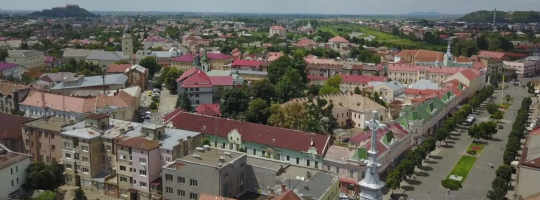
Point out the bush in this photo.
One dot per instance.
(472, 152)
(451, 184)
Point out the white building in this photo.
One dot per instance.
(12, 170)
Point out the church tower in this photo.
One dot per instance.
(371, 186)
(448, 55)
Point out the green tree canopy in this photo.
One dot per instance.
(234, 102)
(151, 64)
(258, 111)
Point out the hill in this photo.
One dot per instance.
(68, 11)
(485, 16)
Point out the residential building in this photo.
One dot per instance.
(13, 171)
(12, 131)
(339, 44)
(136, 75)
(42, 140)
(11, 94)
(306, 43)
(279, 31)
(131, 154)
(26, 58)
(200, 87)
(389, 91)
(11, 71)
(528, 166)
(48, 80)
(209, 171)
(215, 60)
(527, 67)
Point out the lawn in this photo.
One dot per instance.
(463, 166)
(476, 147)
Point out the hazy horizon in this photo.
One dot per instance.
(346, 7)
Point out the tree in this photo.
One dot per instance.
(184, 103)
(234, 102)
(79, 195)
(3, 54)
(475, 132)
(168, 77)
(278, 68)
(44, 176)
(151, 64)
(263, 89)
(292, 115)
(393, 180)
(290, 85)
(492, 108)
(46, 195)
(258, 111)
(331, 86)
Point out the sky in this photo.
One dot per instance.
(355, 7)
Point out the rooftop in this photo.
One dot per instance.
(210, 157)
(49, 123)
(11, 126)
(8, 158)
(93, 81)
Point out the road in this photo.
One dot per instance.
(427, 185)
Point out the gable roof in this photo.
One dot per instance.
(59, 102)
(117, 68)
(209, 109)
(338, 39)
(470, 74)
(251, 132)
(246, 63)
(197, 79)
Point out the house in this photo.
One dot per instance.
(280, 31)
(11, 94)
(13, 167)
(339, 44)
(11, 131)
(215, 60)
(252, 65)
(136, 75)
(407, 74)
(389, 91)
(42, 139)
(48, 80)
(420, 57)
(351, 82)
(39, 104)
(104, 58)
(527, 67)
(306, 43)
(280, 144)
(26, 58)
(200, 87)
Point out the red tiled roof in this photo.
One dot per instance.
(188, 58)
(11, 126)
(221, 80)
(289, 195)
(338, 39)
(247, 63)
(304, 42)
(415, 68)
(8, 88)
(491, 54)
(218, 56)
(117, 68)
(187, 74)
(197, 80)
(59, 102)
(277, 28)
(209, 109)
(470, 74)
(251, 132)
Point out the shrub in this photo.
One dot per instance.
(451, 184)
(472, 152)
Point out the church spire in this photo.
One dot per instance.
(371, 186)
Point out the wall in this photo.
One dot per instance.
(17, 177)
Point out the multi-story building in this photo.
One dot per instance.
(11, 131)
(131, 155)
(527, 67)
(26, 58)
(209, 171)
(12, 170)
(42, 138)
(11, 94)
(136, 75)
(257, 140)
(200, 87)
(408, 74)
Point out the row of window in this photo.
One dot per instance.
(132, 181)
(182, 180)
(182, 193)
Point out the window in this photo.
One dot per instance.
(11, 169)
(142, 160)
(288, 158)
(68, 155)
(168, 190)
(263, 153)
(123, 179)
(193, 195)
(67, 166)
(254, 151)
(142, 172)
(84, 158)
(297, 161)
(108, 147)
(142, 184)
(316, 164)
(308, 162)
(181, 193)
(84, 148)
(193, 182)
(84, 169)
(181, 179)
(122, 168)
(76, 156)
(168, 177)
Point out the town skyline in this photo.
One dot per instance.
(344, 7)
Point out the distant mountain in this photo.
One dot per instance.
(68, 11)
(424, 14)
(485, 16)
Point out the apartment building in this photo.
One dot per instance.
(12, 170)
(42, 140)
